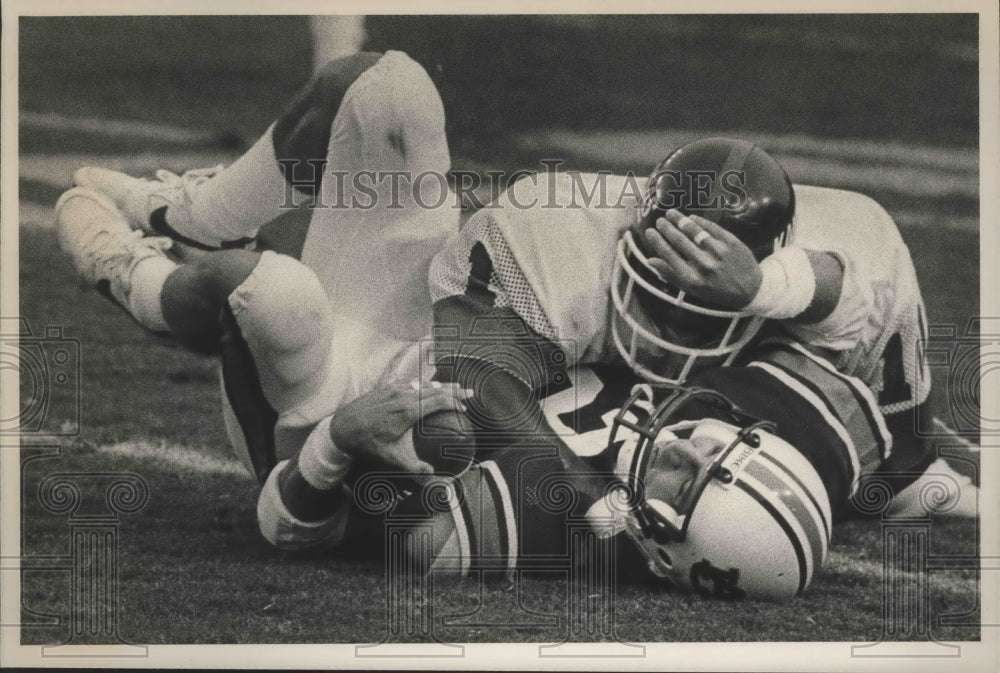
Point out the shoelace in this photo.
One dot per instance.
(186, 183)
(116, 266)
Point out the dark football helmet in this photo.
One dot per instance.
(660, 330)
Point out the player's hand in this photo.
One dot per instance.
(700, 257)
(376, 425)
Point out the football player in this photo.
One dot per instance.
(692, 481)
(313, 418)
(300, 362)
(296, 344)
(687, 270)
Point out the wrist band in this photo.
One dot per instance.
(787, 285)
(321, 463)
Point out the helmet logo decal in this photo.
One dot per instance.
(708, 580)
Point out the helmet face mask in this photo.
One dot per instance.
(755, 520)
(660, 331)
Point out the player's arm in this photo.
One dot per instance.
(304, 502)
(509, 370)
(795, 284)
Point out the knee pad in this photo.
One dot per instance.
(285, 318)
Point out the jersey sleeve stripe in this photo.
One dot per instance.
(796, 543)
(469, 523)
(506, 522)
(862, 393)
(840, 399)
(804, 391)
(459, 513)
(809, 521)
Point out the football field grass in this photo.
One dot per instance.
(192, 566)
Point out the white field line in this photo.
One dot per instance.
(845, 562)
(50, 121)
(176, 457)
(648, 145)
(57, 169)
(33, 216)
(866, 166)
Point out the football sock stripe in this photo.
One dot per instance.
(241, 381)
(158, 220)
(506, 522)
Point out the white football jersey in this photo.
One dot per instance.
(879, 326)
(551, 240)
(551, 251)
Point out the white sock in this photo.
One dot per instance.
(143, 301)
(247, 194)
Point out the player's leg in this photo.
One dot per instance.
(385, 207)
(922, 480)
(506, 512)
(335, 36)
(276, 302)
(265, 314)
(194, 295)
(280, 371)
(134, 271)
(224, 207)
(128, 268)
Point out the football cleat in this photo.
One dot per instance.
(942, 491)
(103, 247)
(144, 203)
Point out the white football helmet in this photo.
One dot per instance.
(757, 523)
(661, 332)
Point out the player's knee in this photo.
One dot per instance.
(418, 114)
(335, 77)
(302, 133)
(220, 273)
(196, 292)
(281, 306)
